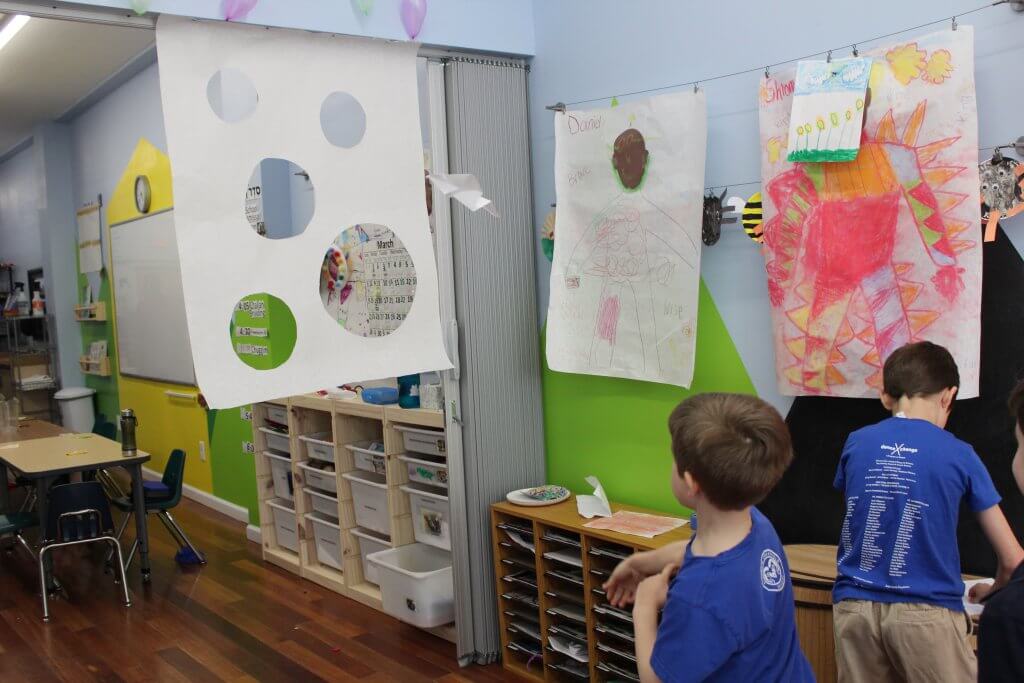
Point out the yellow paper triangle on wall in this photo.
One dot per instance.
(148, 161)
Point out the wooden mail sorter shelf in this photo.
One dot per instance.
(556, 624)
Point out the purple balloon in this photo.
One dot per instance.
(413, 14)
(236, 10)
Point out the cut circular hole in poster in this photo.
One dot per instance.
(342, 119)
(262, 331)
(231, 95)
(368, 280)
(279, 199)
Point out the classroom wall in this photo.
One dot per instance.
(19, 213)
(616, 428)
(487, 25)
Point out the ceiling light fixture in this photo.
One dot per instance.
(11, 28)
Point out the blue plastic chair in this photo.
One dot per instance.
(13, 524)
(78, 513)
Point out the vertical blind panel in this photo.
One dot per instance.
(496, 304)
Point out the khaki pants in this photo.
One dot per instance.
(878, 642)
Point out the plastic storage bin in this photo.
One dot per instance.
(429, 441)
(430, 517)
(416, 584)
(278, 414)
(323, 504)
(370, 500)
(327, 536)
(321, 480)
(369, 456)
(426, 471)
(281, 471)
(319, 446)
(276, 441)
(370, 543)
(285, 525)
(76, 411)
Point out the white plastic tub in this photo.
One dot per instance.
(370, 500)
(370, 543)
(429, 441)
(322, 480)
(416, 584)
(276, 441)
(281, 470)
(278, 414)
(430, 516)
(285, 526)
(369, 456)
(323, 504)
(319, 446)
(327, 537)
(426, 471)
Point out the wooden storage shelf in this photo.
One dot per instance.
(339, 422)
(100, 367)
(570, 602)
(95, 313)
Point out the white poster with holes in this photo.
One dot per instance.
(358, 276)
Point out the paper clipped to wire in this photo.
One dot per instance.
(595, 505)
(465, 189)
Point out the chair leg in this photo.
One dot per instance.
(42, 584)
(131, 554)
(24, 544)
(124, 578)
(120, 533)
(166, 517)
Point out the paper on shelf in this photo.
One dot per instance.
(520, 541)
(595, 505)
(568, 648)
(637, 524)
(565, 557)
(973, 609)
(465, 189)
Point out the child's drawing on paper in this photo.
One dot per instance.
(368, 280)
(867, 255)
(626, 263)
(828, 103)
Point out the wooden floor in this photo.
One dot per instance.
(236, 619)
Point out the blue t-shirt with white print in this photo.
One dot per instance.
(904, 480)
(730, 617)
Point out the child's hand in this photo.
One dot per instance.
(653, 591)
(979, 591)
(620, 588)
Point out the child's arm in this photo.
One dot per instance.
(650, 598)
(621, 586)
(999, 534)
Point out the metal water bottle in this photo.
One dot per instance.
(128, 424)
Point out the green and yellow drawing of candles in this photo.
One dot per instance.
(820, 123)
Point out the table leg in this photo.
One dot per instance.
(141, 531)
(42, 506)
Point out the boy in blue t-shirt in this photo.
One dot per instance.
(728, 613)
(899, 595)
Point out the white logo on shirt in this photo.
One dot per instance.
(772, 576)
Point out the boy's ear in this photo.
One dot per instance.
(691, 483)
(947, 398)
(888, 401)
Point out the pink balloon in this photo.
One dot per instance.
(234, 10)
(413, 14)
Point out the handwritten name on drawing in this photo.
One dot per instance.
(576, 125)
(772, 90)
(577, 176)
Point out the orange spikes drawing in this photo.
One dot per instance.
(886, 131)
(913, 127)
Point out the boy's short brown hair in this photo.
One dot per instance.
(1017, 403)
(919, 369)
(735, 446)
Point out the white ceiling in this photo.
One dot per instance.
(50, 65)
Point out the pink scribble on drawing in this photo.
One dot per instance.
(235, 10)
(608, 319)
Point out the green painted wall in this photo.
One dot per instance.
(617, 428)
(231, 462)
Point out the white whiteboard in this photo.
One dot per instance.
(152, 335)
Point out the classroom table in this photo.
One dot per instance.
(44, 458)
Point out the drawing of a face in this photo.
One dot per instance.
(630, 158)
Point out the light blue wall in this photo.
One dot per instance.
(485, 25)
(599, 48)
(19, 213)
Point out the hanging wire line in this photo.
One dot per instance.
(707, 79)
